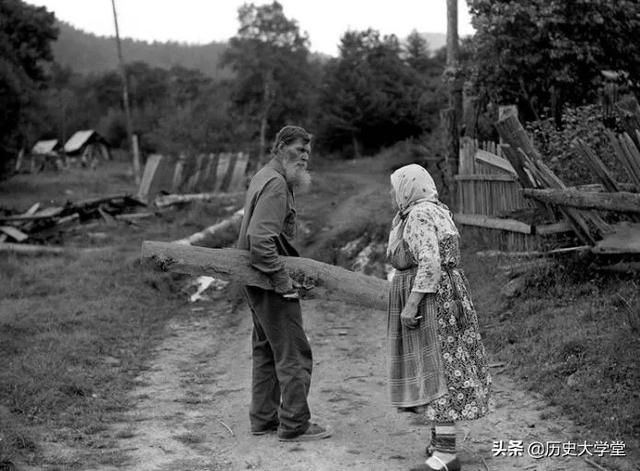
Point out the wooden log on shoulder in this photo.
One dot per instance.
(621, 201)
(234, 264)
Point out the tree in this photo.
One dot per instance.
(416, 52)
(543, 53)
(371, 96)
(270, 58)
(26, 33)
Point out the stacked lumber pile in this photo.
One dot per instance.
(26, 232)
(603, 216)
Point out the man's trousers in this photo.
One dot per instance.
(282, 364)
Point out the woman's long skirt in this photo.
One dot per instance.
(441, 364)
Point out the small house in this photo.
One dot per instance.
(44, 154)
(88, 145)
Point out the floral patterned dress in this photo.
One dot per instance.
(440, 366)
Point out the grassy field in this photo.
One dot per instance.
(76, 329)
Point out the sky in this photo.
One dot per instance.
(203, 21)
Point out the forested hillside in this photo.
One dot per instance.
(88, 53)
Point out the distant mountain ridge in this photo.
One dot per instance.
(87, 53)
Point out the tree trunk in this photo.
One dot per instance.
(451, 156)
(623, 202)
(455, 82)
(233, 264)
(452, 117)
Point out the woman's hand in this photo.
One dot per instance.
(409, 317)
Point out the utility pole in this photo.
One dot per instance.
(125, 98)
(452, 116)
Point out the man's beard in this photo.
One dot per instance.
(298, 177)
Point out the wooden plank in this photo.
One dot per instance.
(556, 228)
(192, 174)
(46, 213)
(625, 239)
(230, 169)
(621, 201)
(633, 156)
(486, 178)
(150, 169)
(32, 210)
(622, 153)
(494, 161)
(209, 177)
(597, 187)
(515, 159)
(178, 174)
(597, 166)
(157, 177)
(163, 201)
(224, 160)
(14, 233)
(237, 182)
(234, 264)
(577, 219)
(493, 223)
(197, 180)
(467, 150)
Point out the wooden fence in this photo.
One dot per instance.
(224, 172)
(489, 194)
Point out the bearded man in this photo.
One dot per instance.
(282, 359)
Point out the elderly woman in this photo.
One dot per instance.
(437, 362)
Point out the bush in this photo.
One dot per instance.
(584, 122)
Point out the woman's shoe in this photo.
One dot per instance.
(453, 465)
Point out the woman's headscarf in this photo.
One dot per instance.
(413, 185)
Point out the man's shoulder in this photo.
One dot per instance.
(268, 175)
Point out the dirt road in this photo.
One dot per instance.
(192, 404)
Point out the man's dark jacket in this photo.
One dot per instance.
(269, 224)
